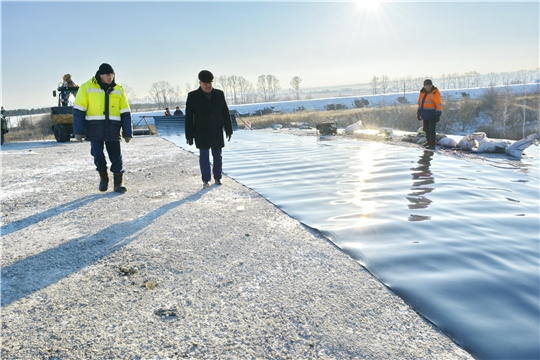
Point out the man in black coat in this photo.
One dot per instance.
(207, 114)
(178, 112)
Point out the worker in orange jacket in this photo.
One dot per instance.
(429, 110)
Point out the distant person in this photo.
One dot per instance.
(167, 112)
(101, 125)
(207, 114)
(66, 82)
(5, 129)
(178, 112)
(429, 110)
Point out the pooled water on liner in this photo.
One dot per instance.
(457, 240)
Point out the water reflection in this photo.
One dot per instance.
(422, 176)
(478, 282)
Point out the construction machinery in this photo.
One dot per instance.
(62, 115)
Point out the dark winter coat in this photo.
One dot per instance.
(206, 119)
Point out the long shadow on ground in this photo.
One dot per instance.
(38, 271)
(33, 219)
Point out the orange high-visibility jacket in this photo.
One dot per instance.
(429, 104)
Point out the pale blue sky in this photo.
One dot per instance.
(325, 43)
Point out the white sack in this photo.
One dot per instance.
(517, 148)
(353, 127)
(467, 143)
(447, 142)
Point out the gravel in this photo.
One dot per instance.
(171, 270)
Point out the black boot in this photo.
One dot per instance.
(119, 183)
(104, 180)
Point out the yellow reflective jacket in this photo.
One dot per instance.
(100, 114)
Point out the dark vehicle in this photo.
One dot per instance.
(4, 126)
(62, 115)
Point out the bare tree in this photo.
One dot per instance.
(461, 81)
(273, 87)
(476, 78)
(374, 85)
(444, 82)
(493, 79)
(232, 82)
(466, 80)
(130, 94)
(419, 82)
(506, 78)
(244, 89)
(453, 80)
(222, 83)
(163, 94)
(385, 83)
(262, 87)
(268, 86)
(295, 83)
(411, 84)
(522, 76)
(524, 115)
(397, 84)
(190, 88)
(504, 109)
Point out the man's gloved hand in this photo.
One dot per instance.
(189, 141)
(418, 116)
(229, 137)
(78, 137)
(127, 138)
(437, 118)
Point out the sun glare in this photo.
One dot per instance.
(368, 4)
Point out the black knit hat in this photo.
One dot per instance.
(428, 82)
(206, 76)
(105, 69)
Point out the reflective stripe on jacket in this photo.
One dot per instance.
(429, 104)
(100, 114)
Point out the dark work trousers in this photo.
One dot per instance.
(204, 163)
(429, 129)
(115, 155)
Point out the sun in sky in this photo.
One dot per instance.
(368, 4)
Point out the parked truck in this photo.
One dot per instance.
(62, 115)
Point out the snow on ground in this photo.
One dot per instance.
(349, 101)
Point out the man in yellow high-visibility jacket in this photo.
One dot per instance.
(101, 110)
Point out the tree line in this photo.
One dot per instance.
(471, 79)
(237, 89)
